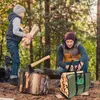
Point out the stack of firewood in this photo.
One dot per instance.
(64, 84)
(68, 79)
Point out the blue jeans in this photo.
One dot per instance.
(61, 70)
(14, 52)
(84, 67)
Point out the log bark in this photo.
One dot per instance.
(37, 84)
(26, 78)
(51, 73)
(64, 84)
(33, 32)
(98, 43)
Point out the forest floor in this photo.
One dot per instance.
(10, 91)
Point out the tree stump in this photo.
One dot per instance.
(35, 83)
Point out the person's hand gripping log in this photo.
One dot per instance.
(26, 41)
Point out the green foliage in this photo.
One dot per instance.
(4, 10)
(64, 16)
(91, 50)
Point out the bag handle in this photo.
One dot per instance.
(70, 65)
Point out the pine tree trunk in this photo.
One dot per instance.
(47, 33)
(1, 44)
(40, 22)
(98, 42)
(0, 51)
(30, 24)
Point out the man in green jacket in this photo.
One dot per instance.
(71, 55)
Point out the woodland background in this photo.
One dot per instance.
(55, 18)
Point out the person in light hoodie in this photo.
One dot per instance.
(14, 36)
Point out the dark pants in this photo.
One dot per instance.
(84, 67)
(14, 52)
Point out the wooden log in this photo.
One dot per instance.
(66, 90)
(26, 41)
(50, 72)
(21, 81)
(69, 73)
(39, 84)
(27, 80)
(21, 88)
(85, 93)
(62, 89)
(34, 83)
(39, 61)
(59, 96)
(66, 83)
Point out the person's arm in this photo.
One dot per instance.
(60, 57)
(84, 55)
(16, 27)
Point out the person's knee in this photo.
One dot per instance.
(16, 61)
(61, 70)
(85, 68)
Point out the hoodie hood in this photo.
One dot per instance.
(12, 16)
(64, 42)
(10, 35)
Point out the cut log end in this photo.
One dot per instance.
(85, 93)
(37, 84)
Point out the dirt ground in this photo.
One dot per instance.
(10, 91)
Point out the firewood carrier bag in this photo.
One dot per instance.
(74, 83)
